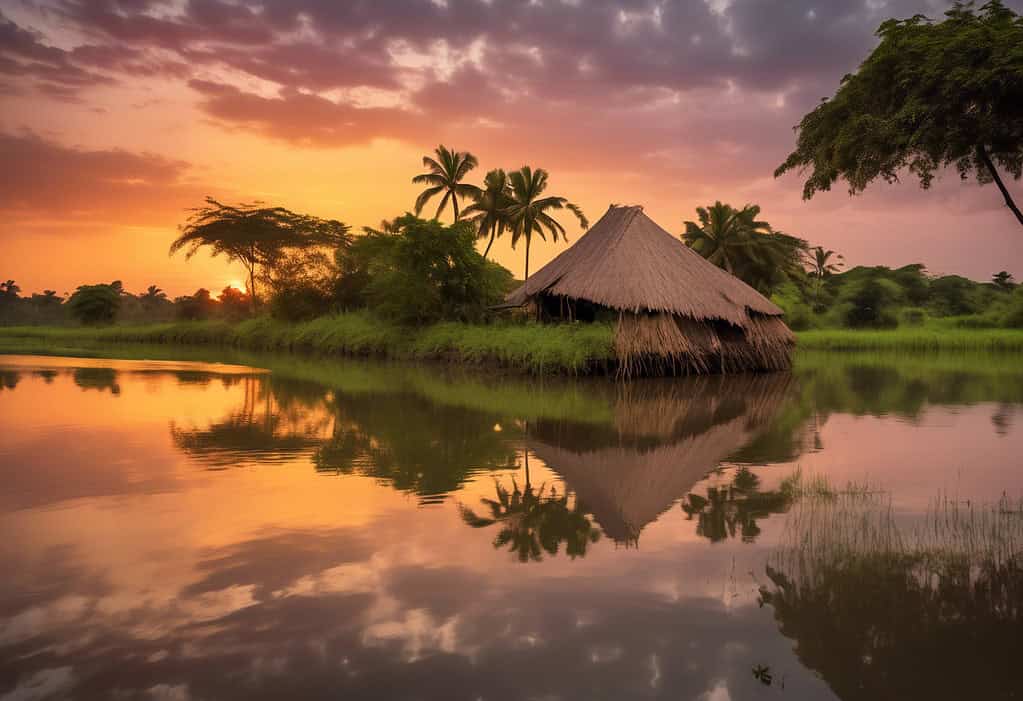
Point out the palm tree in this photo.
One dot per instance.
(735, 240)
(152, 295)
(821, 267)
(488, 211)
(446, 173)
(386, 227)
(1003, 280)
(724, 234)
(9, 289)
(528, 211)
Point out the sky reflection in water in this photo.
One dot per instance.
(365, 531)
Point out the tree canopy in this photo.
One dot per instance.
(736, 241)
(423, 273)
(255, 235)
(96, 304)
(930, 96)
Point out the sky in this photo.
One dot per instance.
(117, 116)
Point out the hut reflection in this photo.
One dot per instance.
(666, 436)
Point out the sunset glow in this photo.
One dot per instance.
(117, 116)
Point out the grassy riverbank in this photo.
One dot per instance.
(560, 348)
(566, 348)
(913, 339)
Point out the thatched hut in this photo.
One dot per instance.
(673, 310)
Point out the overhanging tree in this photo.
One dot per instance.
(255, 235)
(930, 96)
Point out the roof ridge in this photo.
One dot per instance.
(634, 210)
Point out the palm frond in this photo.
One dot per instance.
(425, 196)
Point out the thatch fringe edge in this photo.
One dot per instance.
(660, 343)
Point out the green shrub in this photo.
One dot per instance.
(300, 302)
(913, 316)
(429, 272)
(95, 304)
(1013, 316)
(870, 302)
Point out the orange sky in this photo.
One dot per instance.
(117, 115)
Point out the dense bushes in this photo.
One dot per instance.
(883, 298)
(429, 272)
(417, 272)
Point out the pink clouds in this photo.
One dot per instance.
(669, 103)
(87, 190)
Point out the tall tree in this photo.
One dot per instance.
(488, 211)
(445, 176)
(152, 295)
(529, 212)
(822, 267)
(9, 290)
(96, 304)
(1003, 280)
(931, 95)
(254, 235)
(821, 262)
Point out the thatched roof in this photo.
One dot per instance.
(627, 262)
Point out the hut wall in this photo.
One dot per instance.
(661, 343)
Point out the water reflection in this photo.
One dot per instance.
(411, 443)
(887, 610)
(665, 437)
(266, 427)
(732, 510)
(372, 544)
(100, 379)
(535, 520)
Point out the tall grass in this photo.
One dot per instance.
(913, 339)
(560, 348)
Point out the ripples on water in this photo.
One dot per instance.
(352, 530)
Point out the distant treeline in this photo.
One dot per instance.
(109, 302)
(411, 272)
(882, 298)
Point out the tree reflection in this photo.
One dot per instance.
(882, 610)
(9, 379)
(413, 444)
(534, 521)
(733, 510)
(101, 379)
(263, 429)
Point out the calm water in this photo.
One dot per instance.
(310, 530)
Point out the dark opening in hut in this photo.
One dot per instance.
(673, 311)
